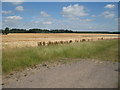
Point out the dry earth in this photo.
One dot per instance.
(77, 74)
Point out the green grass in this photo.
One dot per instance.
(20, 58)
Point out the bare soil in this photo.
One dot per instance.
(77, 74)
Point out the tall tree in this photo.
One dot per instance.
(6, 30)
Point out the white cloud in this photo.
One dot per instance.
(44, 14)
(19, 8)
(12, 22)
(108, 14)
(110, 6)
(35, 21)
(53, 23)
(47, 22)
(90, 27)
(0, 25)
(74, 11)
(87, 20)
(15, 2)
(6, 12)
(13, 18)
(93, 16)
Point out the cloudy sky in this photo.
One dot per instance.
(80, 16)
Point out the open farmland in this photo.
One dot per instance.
(81, 65)
(87, 55)
(32, 39)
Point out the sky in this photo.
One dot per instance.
(77, 16)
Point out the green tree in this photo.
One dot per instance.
(6, 30)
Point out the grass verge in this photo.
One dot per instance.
(19, 58)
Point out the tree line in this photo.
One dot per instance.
(35, 30)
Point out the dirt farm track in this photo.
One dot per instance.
(31, 39)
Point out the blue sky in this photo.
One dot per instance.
(80, 16)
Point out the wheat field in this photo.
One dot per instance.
(18, 40)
